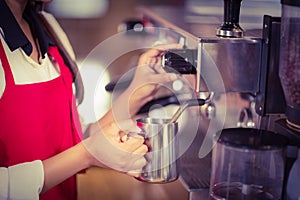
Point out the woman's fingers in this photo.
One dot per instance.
(158, 69)
(141, 150)
(137, 167)
(156, 52)
(129, 125)
(133, 142)
(162, 78)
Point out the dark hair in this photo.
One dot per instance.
(39, 7)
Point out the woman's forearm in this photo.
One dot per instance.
(65, 164)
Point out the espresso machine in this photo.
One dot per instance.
(264, 71)
(254, 74)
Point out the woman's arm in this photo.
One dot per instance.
(28, 180)
(63, 165)
(104, 148)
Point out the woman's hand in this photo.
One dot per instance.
(148, 78)
(150, 75)
(110, 146)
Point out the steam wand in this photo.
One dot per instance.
(191, 102)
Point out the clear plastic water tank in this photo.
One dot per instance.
(247, 164)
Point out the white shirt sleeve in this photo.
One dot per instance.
(23, 181)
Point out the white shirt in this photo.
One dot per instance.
(22, 181)
(30, 72)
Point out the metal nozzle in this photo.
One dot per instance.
(234, 32)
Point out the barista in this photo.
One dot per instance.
(41, 142)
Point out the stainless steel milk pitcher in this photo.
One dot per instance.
(160, 137)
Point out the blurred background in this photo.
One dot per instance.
(89, 22)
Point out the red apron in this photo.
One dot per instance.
(38, 121)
